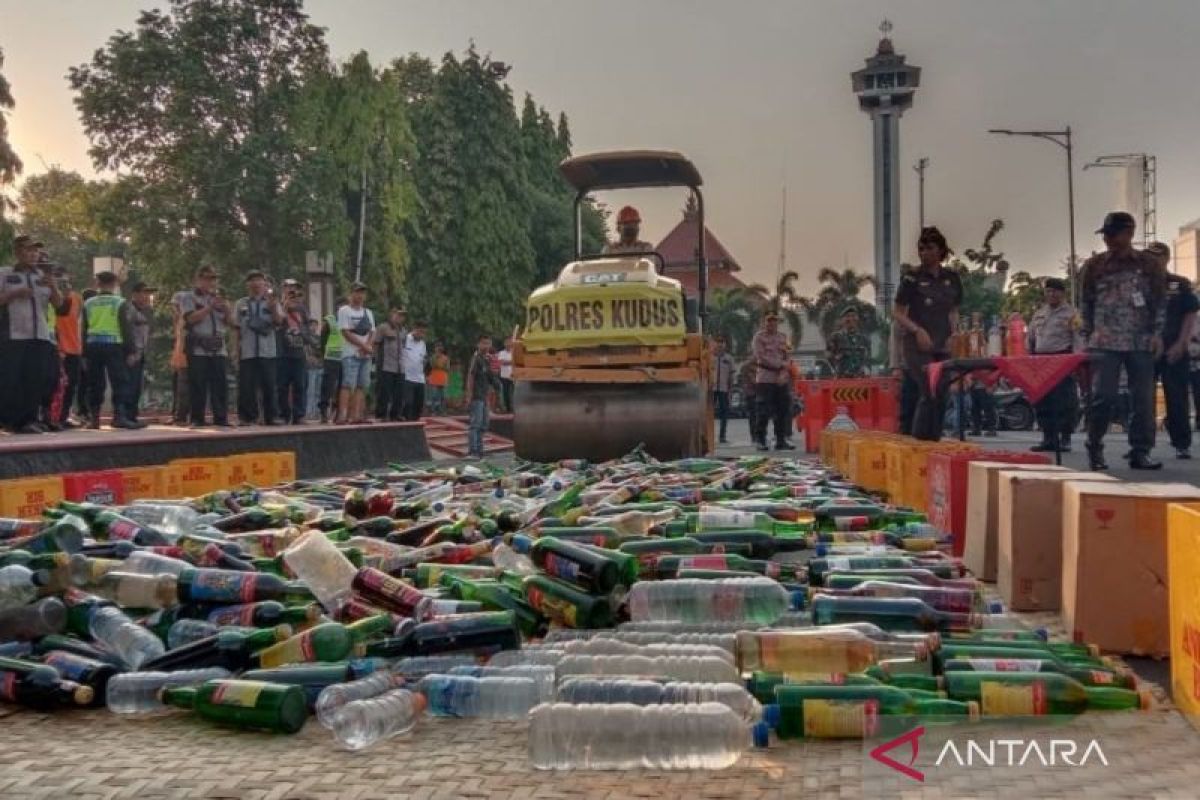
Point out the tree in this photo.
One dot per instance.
(785, 301)
(197, 107)
(731, 314)
(10, 164)
(983, 276)
(1023, 294)
(839, 291)
(70, 215)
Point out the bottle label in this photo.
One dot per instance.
(1009, 700)
(1006, 664)
(855, 523)
(242, 615)
(725, 518)
(1101, 678)
(837, 563)
(704, 562)
(840, 719)
(561, 567)
(243, 694)
(70, 666)
(296, 650)
(556, 608)
(123, 529)
(223, 586)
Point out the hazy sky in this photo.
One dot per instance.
(757, 92)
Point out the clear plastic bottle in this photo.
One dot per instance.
(817, 651)
(543, 676)
(186, 631)
(700, 669)
(172, 519)
(603, 646)
(726, 641)
(322, 567)
(145, 562)
(526, 655)
(120, 635)
(624, 736)
(415, 667)
(362, 723)
(86, 571)
(757, 599)
(18, 586)
(27, 623)
(510, 560)
(137, 692)
(485, 698)
(842, 421)
(333, 699)
(648, 693)
(557, 636)
(130, 590)
(687, 627)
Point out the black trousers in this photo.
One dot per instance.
(331, 384)
(1176, 383)
(1106, 374)
(910, 393)
(206, 385)
(257, 388)
(930, 412)
(23, 366)
(292, 380)
(106, 363)
(133, 389)
(983, 408)
(53, 374)
(1056, 411)
(775, 405)
(414, 400)
(506, 395)
(73, 394)
(750, 399)
(389, 396)
(181, 407)
(721, 407)
(1195, 378)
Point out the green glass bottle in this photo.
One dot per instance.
(1086, 676)
(567, 604)
(762, 684)
(818, 568)
(819, 711)
(39, 686)
(275, 707)
(111, 526)
(499, 596)
(231, 648)
(225, 587)
(329, 641)
(1027, 694)
(600, 536)
(573, 563)
(669, 566)
(713, 574)
(951, 649)
(752, 544)
(428, 574)
(889, 613)
(732, 519)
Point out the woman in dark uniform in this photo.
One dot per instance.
(927, 312)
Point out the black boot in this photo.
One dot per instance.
(1043, 446)
(1066, 444)
(1143, 461)
(1096, 461)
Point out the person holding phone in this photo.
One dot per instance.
(205, 313)
(26, 346)
(357, 325)
(257, 319)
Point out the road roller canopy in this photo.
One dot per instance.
(629, 169)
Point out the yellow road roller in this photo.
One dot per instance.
(611, 354)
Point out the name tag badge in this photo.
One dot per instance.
(1138, 300)
(928, 301)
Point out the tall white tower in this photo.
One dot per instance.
(885, 89)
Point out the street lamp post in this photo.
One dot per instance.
(920, 167)
(1062, 139)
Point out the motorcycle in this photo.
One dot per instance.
(1014, 412)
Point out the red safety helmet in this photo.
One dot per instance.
(628, 215)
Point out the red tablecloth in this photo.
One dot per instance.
(1034, 375)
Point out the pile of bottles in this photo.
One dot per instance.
(636, 612)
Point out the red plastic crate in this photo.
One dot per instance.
(106, 487)
(946, 488)
(871, 403)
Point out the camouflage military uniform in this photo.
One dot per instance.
(1123, 307)
(849, 353)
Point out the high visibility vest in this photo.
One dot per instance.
(103, 315)
(335, 343)
(52, 322)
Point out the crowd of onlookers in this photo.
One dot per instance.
(63, 353)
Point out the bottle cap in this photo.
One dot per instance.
(772, 715)
(996, 607)
(799, 599)
(1145, 699)
(972, 710)
(1042, 634)
(761, 735)
(822, 550)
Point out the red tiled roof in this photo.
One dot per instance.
(678, 248)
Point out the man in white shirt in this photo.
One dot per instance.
(357, 324)
(412, 365)
(506, 377)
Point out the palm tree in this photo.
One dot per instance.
(784, 301)
(839, 291)
(731, 313)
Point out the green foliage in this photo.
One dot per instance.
(10, 164)
(983, 275)
(839, 291)
(71, 215)
(732, 314)
(785, 301)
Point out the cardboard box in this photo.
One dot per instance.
(1183, 568)
(979, 546)
(236, 471)
(25, 498)
(1029, 536)
(142, 483)
(193, 477)
(946, 489)
(1114, 591)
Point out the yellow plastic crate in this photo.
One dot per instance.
(193, 477)
(828, 438)
(868, 462)
(143, 483)
(1183, 585)
(285, 466)
(237, 471)
(264, 467)
(916, 468)
(27, 497)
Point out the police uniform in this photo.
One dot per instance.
(1175, 376)
(849, 353)
(1052, 332)
(930, 299)
(107, 340)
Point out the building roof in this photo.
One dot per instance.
(1194, 225)
(678, 248)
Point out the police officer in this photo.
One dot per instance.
(927, 312)
(108, 340)
(773, 383)
(629, 226)
(1173, 367)
(1052, 332)
(331, 377)
(848, 349)
(1123, 292)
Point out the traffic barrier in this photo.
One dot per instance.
(870, 402)
(946, 487)
(1183, 574)
(105, 487)
(142, 483)
(27, 497)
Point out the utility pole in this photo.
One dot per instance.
(779, 270)
(362, 224)
(1148, 166)
(919, 167)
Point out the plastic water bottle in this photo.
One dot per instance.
(693, 600)
(704, 736)
(487, 698)
(18, 586)
(542, 675)
(656, 626)
(615, 647)
(322, 567)
(510, 560)
(137, 692)
(170, 518)
(557, 636)
(362, 723)
(651, 693)
(27, 623)
(726, 641)
(842, 421)
(512, 658)
(130, 642)
(415, 667)
(333, 699)
(700, 669)
(145, 562)
(186, 631)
